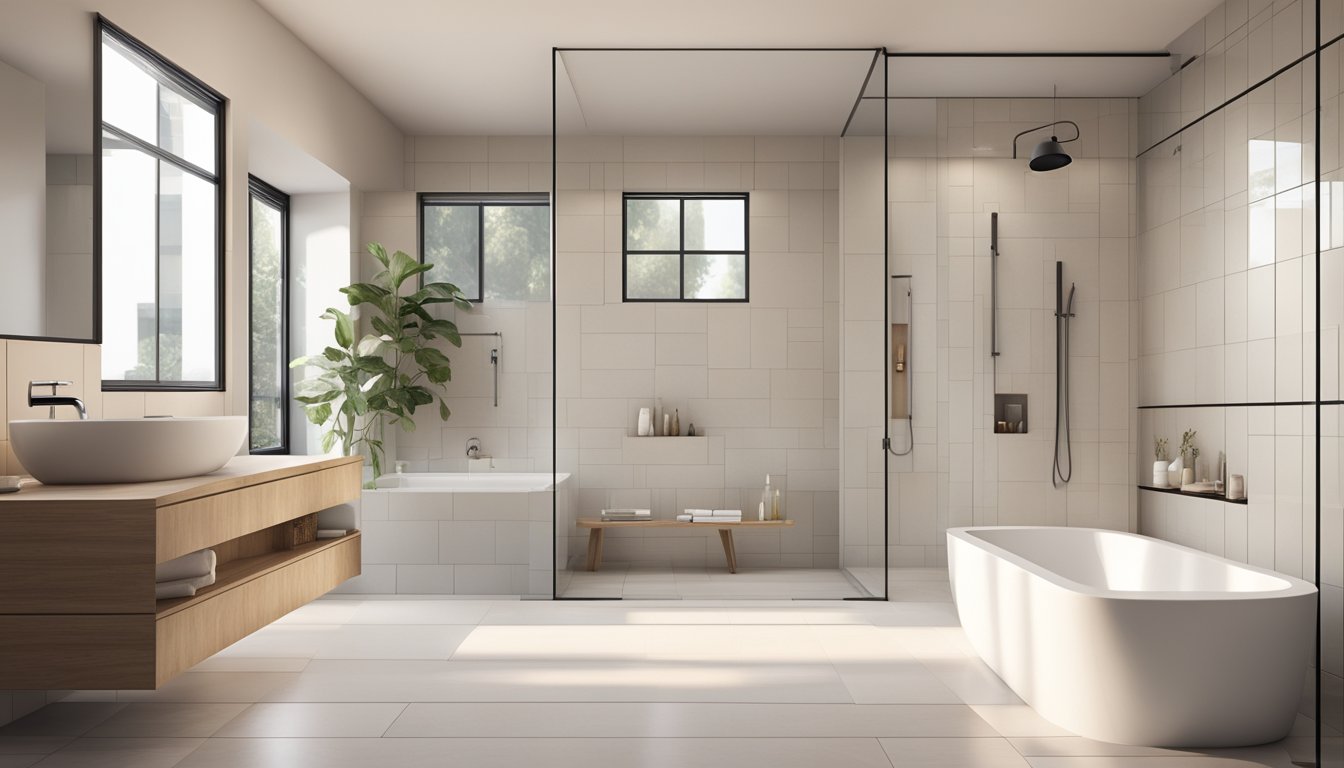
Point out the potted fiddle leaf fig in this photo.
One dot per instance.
(381, 379)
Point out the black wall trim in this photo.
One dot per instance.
(1315, 52)
(877, 54)
(1029, 55)
(1205, 496)
(1262, 404)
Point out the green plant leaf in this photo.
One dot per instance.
(370, 345)
(325, 397)
(385, 328)
(442, 328)
(329, 440)
(319, 414)
(444, 413)
(420, 396)
(379, 253)
(345, 330)
(364, 293)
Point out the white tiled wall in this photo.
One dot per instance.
(948, 173)
(759, 380)
(1228, 279)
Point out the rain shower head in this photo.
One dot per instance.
(1048, 155)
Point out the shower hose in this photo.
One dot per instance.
(1062, 472)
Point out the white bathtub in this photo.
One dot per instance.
(477, 533)
(473, 482)
(1128, 639)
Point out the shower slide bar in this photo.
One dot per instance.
(494, 356)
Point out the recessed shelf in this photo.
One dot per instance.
(237, 572)
(1179, 492)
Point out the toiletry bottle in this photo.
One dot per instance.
(676, 422)
(774, 511)
(767, 499)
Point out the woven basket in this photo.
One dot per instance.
(301, 531)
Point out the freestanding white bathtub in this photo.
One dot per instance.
(1128, 639)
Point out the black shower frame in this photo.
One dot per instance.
(879, 54)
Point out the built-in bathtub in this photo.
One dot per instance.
(466, 533)
(1128, 639)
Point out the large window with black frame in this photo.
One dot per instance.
(160, 206)
(690, 247)
(492, 247)
(268, 317)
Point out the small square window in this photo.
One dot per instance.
(685, 247)
(494, 248)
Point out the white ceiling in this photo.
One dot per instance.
(720, 93)
(483, 66)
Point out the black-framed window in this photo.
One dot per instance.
(684, 247)
(159, 201)
(268, 317)
(492, 247)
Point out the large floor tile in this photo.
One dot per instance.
(242, 687)
(308, 720)
(122, 753)
(19, 761)
(569, 681)
(351, 641)
(62, 719)
(733, 643)
(905, 682)
(529, 720)
(1017, 720)
(167, 720)
(553, 753)
(1276, 755)
(422, 611)
(239, 663)
(1146, 762)
(953, 753)
(322, 612)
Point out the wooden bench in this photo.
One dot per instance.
(596, 527)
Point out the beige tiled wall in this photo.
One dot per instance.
(760, 380)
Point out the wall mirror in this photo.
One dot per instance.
(50, 271)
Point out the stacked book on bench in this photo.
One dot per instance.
(711, 516)
(626, 514)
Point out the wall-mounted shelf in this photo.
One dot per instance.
(1179, 492)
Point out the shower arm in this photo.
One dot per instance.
(1076, 133)
(494, 356)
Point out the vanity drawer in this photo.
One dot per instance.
(203, 522)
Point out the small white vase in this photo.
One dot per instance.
(1160, 474)
(1174, 472)
(645, 422)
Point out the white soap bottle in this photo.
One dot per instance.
(767, 498)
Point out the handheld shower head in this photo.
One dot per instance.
(1072, 288)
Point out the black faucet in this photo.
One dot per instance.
(53, 400)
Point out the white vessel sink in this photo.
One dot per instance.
(68, 451)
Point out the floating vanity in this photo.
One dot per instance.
(77, 607)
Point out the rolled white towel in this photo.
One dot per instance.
(186, 567)
(182, 587)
